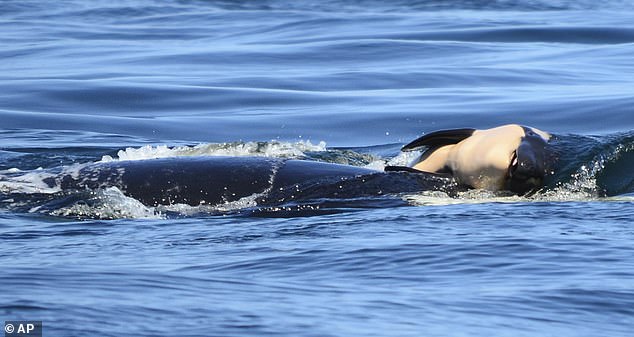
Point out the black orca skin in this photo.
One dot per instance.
(216, 180)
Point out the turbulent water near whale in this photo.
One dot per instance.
(343, 82)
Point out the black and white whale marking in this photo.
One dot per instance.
(509, 157)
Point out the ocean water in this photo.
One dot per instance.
(337, 81)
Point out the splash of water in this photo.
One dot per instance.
(236, 149)
(109, 203)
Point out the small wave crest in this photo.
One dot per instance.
(265, 149)
(592, 167)
(109, 203)
(29, 182)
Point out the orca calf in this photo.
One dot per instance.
(509, 157)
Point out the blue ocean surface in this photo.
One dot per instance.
(336, 81)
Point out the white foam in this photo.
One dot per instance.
(579, 190)
(582, 186)
(31, 182)
(402, 159)
(438, 198)
(227, 207)
(108, 203)
(28, 183)
(264, 149)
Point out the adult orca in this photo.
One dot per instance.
(212, 180)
